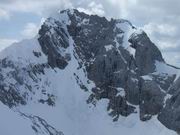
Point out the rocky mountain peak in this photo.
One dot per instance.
(100, 33)
(80, 62)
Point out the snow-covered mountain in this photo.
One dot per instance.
(85, 75)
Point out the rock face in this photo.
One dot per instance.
(170, 115)
(151, 99)
(126, 68)
(54, 48)
(146, 53)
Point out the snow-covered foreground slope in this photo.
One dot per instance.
(17, 123)
(74, 117)
(12, 123)
(84, 75)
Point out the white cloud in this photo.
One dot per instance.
(93, 8)
(172, 58)
(164, 29)
(40, 7)
(96, 8)
(162, 34)
(6, 42)
(4, 14)
(30, 30)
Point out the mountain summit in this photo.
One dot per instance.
(86, 75)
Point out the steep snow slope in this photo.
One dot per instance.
(13, 123)
(16, 123)
(52, 83)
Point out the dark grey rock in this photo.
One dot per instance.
(175, 87)
(132, 88)
(11, 97)
(108, 69)
(119, 107)
(164, 80)
(116, 68)
(15, 88)
(151, 99)
(52, 40)
(146, 53)
(170, 115)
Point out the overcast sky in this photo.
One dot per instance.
(160, 19)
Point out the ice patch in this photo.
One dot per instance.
(121, 92)
(108, 47)
(168, 96)
(147, 78)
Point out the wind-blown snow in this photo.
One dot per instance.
(62, 17)
(128, 30)
(108, 47)
(147, 77)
